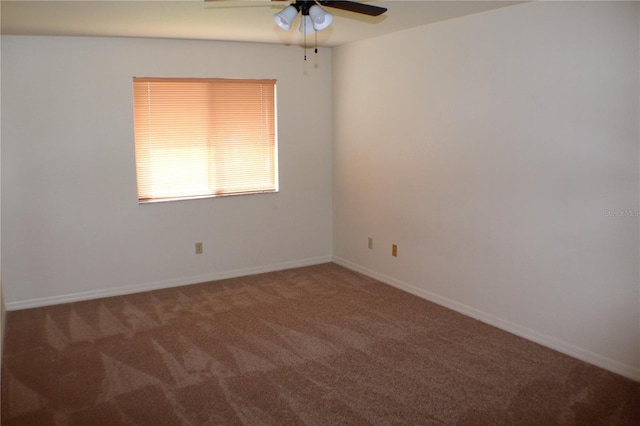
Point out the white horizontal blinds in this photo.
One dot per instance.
(242, 136)
(171, 138)
(203, 137)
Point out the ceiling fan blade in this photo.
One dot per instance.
(352, 6)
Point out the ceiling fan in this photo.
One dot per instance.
(314, 17)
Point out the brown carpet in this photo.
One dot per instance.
(319, 345)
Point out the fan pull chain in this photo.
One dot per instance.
(315, 33)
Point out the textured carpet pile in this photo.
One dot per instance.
(319, 345)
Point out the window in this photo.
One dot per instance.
(197, 138)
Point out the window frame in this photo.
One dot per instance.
(248, 139)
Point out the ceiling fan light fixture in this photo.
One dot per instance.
(321, 18)
(285, 17)
(306, 25)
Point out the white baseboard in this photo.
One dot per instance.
(137, 288)
(566, 348)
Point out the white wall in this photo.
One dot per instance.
(500, 152)
(72, 227)
(2, 302)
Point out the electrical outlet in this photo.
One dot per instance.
(370, 243)
(198, 248)
(394, 250)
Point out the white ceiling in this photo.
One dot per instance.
(235, 20)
